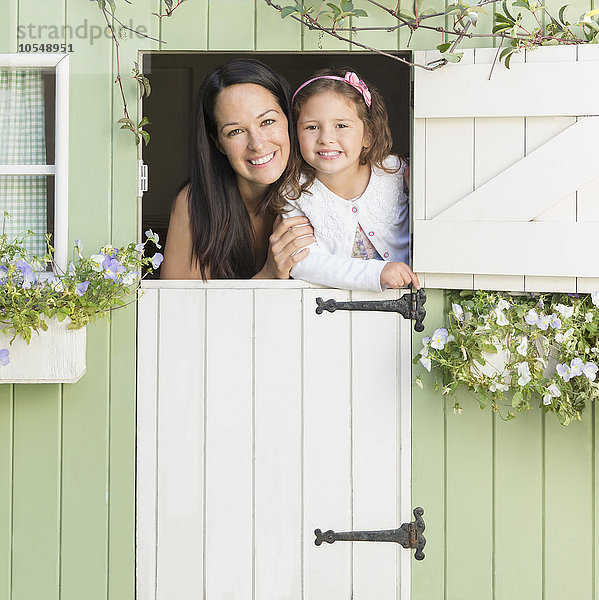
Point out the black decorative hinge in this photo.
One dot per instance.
(409, 535)
(409, 306)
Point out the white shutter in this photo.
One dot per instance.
(506, 171)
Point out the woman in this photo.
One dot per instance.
(226, 223)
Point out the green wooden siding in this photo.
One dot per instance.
(510, 507)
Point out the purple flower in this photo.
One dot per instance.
(157, 260)
(555, 321)
(27, 272)
(563, 370)
(112, 268)
(4, 359)
(82, 288)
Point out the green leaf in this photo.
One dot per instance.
(560, 15)
(143, 122)
(336, 10)
(489, 348)
(507, 12)
(453, 57)
(517, 399)
(287, 10)
(522, 3)
(503, 19)
(444, 47)
(347, 5)
(359, 12)
(508, 58)
(146, 137)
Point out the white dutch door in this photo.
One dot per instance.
(259, 422)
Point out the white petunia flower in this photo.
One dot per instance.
(552, 392)
(458, 311)
(98, 259)
(565, 311)
(497, 386)
(595, 298)
(439, 338)
(500, 317)
(589, 317)
(503, 304)
(426, 363)
(522, 347)
(524, 373)
(532, 318)
(590, 370)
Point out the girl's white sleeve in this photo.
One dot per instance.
(323, 268)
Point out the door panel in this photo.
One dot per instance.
(258, 422)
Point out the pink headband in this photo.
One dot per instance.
(350, 77)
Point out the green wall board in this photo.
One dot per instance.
(36, 491)
(231, 25)
(6, 444)
(187, 28)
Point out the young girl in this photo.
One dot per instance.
(352, 188)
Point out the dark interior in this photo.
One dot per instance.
(175, 77)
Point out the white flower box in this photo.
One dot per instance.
(53, 356)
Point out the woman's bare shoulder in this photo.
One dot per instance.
(179, 243)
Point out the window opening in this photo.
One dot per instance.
(176, 77)
(34, 149)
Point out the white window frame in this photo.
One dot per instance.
(60, 168)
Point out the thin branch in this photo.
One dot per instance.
(118, 65)
(133, 30)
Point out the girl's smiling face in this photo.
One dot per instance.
(252, 130)
(331, 136)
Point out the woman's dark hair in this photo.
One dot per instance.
(222, 234)
(375, 119)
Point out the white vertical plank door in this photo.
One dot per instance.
(258, 422)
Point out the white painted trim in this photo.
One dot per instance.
(233, 284)
(33, 61)
(510, 248)
(27, 169)
(61, 180)
(405, 451)
(473, 94)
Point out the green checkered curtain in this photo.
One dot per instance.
(23, 142)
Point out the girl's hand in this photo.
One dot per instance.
(286, 247)
(397, 274)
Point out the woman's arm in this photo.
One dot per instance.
(178, 250)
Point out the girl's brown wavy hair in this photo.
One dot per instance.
(376, 122)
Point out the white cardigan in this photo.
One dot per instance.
(383, 213)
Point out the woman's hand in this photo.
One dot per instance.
(397, 274)
(286, 247)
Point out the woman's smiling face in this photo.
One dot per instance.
(252, 131)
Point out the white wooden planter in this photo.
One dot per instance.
(53, 356)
